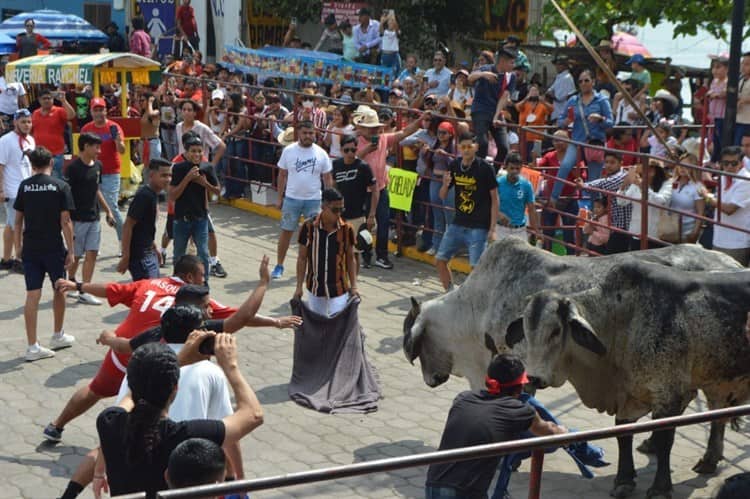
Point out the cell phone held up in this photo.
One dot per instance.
(375, 140)
(207, 346)
(113, 131)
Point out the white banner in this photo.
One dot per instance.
(226, 16)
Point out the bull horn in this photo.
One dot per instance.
(415, 304)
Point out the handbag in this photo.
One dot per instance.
(589, 154)
(668, 227)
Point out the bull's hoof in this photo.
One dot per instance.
(705, 467)
(646, 447)
(622, 490)
(655, 493)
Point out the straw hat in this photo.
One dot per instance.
(666, 95)
(286, 137)
(692, 146)
(366, 117)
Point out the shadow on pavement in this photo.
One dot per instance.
(274, 394)
(70, 375)
(8, 366)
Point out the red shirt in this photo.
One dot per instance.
(186, 20)
(550, 159)
(631, 145)
(108, 155)
(148, 299)
(49, 129)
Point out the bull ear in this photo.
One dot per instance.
(413, 344)
(415, 304)
(514, 333)
(490, 344)
(584, 335)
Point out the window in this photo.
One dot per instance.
(98, 14)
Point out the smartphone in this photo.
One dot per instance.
(375, 140)
(207, 346)
(113, 131)
(426, 80)
(293, 21)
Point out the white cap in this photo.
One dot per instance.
(217, 94)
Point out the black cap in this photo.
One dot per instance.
(513, 39)
(507, 53)
(364, 11)
(560, 59)
(330, 20)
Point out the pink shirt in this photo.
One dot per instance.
(140, 43)
(598, 235)
(376, 159)
(717, 107)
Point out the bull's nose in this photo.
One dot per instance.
(537, 382)
(439, 379)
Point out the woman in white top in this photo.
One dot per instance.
(687, 195)
(389, 32)
(217, 112)
(338, 127)
(659, 193)
(461, 92)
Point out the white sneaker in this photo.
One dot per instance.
(61, 340)
(89, 299)
(432, 251)
(37, 352)
(73, 295)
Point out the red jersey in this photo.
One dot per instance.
(550, 159)
(186, 20)
(631, 146)
(108, 155)
(49, 129)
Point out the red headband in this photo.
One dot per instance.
(494, 386)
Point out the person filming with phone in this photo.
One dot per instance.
(109, 155)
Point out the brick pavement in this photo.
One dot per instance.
(292, 439)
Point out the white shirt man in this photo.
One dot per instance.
(11, 97)
(438, 77)
(735, 210)
(561, 88)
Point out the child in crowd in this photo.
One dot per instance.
(598, 236)
(656, 148)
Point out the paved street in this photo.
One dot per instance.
(409, 421)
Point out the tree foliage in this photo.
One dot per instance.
(599, 17)
(423, 23)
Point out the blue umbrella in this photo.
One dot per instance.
(53, 25)
(7, 44)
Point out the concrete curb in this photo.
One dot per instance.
(457, 264)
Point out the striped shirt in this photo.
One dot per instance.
(326, 257)
(621, 212)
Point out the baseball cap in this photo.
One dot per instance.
(98, 102)
(636, 58)
(21, 113)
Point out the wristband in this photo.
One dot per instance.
(79, 287)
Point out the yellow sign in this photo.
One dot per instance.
(401, 188)
(512, 20)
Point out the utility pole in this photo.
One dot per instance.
(735, 51)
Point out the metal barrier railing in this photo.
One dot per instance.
(535, 445)
(400, 224)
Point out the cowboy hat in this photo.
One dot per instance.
(366, 117)
(286, 137)
(666, 95)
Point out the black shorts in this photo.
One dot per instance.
(170, 226)
(35, 267)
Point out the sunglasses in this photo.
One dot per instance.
(307, 99)
(724, 162)
(442, 132)
(349, 149)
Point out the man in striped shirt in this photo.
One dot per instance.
(614, 175)
(326, 258)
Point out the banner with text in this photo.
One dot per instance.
(401, 188)
(295, 64)
(342, 10)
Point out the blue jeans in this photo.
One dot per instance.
(718, 130)
(431, 492)
(482, 125)
(566, 165)
(392, 60)
(457, 236)
(382, 217)
(57, 166)
(154, 150)
(196, 228)
(549, 219)
(740, 129)
(236, 168)
(145, 267)
(110, 188)
(169, 141)
(441, 217)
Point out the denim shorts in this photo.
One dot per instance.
(10, 213)
(292, 208)
(456, 237)
(36, 266)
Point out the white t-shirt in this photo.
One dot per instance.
(202, 393)
(304, 166)
(209, 138)
(389, 42)
(738, 194)
(684, 199)
(336, 134)
(9, 94)
(17, 166)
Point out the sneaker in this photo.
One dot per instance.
(432, 251)
(278, 271)
(6, 264)
(61, 340)
(383, 263)
(163, 258)
(18, 266)
(37, 352)
(88, 299)
(73, 295)
(52, 433)
(217, 270)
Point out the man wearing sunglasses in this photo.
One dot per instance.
(735, 207)
(325, 263)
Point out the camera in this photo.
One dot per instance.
(207, 346)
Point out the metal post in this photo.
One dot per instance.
(735, 49)
(535, 479)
